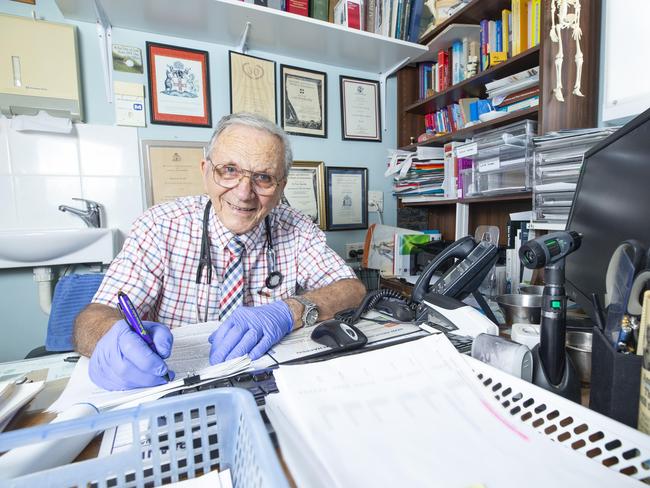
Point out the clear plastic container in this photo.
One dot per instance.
(501, 160)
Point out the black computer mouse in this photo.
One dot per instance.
(338, 335)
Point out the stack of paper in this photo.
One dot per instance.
(557, 165)
(421, 173)
(412, 415)
(190, 356)
(13, 396)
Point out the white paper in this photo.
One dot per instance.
(56, 367)
(129, 104)
(421, 409)
(190, 355)
(41, 122)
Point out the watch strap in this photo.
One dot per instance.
(308, 307)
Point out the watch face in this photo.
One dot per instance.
(311, 316)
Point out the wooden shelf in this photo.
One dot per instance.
(461, 135)
(427, 203)
(271, 31)
(475, 86)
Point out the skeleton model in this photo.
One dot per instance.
(566, 20)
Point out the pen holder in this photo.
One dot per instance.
(615, 381)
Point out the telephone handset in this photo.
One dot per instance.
(464, 277)
(459, 250)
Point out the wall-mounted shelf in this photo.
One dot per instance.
(271, 31)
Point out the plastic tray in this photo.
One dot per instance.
(600, 438)
(183, 436)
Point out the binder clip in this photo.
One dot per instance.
(191, 379)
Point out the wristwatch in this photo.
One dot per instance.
(310, 311)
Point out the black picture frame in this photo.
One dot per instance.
(174, 71)
(360, 109)
(347, 198)
(304, 94)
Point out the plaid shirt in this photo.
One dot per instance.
(157, 265)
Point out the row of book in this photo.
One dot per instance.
(505, 95)
(496, 41)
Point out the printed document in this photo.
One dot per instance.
(190, 356)
(413, 414)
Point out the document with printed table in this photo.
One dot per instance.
(413, 414)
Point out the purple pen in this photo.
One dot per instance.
(131, 317)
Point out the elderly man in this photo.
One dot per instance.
(234, 255)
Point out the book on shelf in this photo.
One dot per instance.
(519, 26)
(506, 31)
(319, 9)
(298, 7)
(505, 100)
(414, 21)
(521, 105)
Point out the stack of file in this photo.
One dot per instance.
(515, 92)
(556, 167)
(413, 415)
(420, 175)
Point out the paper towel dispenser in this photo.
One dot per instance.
(39, 68)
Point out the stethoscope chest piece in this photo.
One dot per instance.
(273, 280)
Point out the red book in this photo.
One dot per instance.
(354, 15)
(299, 7)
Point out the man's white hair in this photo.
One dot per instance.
(257, 122)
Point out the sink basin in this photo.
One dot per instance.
(47, 247)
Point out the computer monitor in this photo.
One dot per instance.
(611, 204)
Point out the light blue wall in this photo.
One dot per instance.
(23, 325)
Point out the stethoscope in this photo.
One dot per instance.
(273, 278)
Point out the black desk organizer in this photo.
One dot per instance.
(615, 381)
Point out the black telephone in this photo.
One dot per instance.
(474, 263)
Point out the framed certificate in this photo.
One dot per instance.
(347, 198)
(360, 112)
(304, 103)
(252, 85)
(172, 169)
(305, 190)
(179, 85)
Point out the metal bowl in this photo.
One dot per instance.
(578, 345)
(525, 309)
(531, 289)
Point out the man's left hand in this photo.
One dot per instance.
(250, 330)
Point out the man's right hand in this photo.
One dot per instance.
(122, 360)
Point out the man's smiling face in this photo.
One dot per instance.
(240, 208)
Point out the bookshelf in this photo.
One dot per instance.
(455, 218)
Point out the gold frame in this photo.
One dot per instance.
(159, 181)
(318, 169)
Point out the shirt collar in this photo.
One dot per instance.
(221, 236)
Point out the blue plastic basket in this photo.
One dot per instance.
(184, 437)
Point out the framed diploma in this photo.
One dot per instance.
(304, 104)
(305, 190)
(252, 85)
(360, 112)
(179, 85)
(347, 198)
(172, 169)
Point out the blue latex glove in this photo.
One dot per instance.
(250, 330)
(122, 360)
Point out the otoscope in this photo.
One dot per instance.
(552, 367)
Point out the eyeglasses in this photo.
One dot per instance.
(229, 175)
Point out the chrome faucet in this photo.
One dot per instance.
(91, 216)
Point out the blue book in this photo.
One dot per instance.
(414, 23)
(499, 30)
